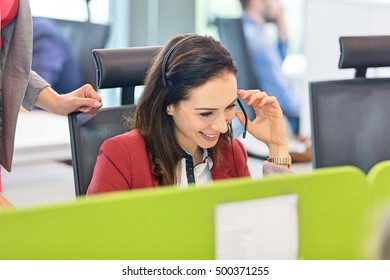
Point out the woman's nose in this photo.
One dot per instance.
(220, 124)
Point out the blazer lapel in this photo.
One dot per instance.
(223, 171)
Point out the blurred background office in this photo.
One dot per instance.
(314, 27)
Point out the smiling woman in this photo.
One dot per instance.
(181, 132)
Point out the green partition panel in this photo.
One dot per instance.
(378, 179)
(169, 223)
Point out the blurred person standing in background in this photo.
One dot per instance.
(267, 55)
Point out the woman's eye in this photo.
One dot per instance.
(206, 114)
(231, 107)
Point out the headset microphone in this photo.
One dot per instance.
(243, 134)
(245, 115)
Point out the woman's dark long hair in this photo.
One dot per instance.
(192, 62)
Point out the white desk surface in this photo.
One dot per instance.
(41, 136)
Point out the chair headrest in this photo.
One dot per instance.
(361, 52)
(123, 67)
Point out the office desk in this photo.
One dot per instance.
(37, 177)
(41, 136)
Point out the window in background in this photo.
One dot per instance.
(71, 9)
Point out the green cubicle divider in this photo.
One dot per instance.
(378, 179)
(169, 223)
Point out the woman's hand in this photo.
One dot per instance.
(4, 203)
(268, 125)
(84, 99)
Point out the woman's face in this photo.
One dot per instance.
(201, 119)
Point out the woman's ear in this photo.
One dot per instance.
(170, 109)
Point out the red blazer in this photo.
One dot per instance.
(123, 164)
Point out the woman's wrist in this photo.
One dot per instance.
(49, 100)
(285, 161)
(278, 151)
(279, 155)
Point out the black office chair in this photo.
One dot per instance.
(83, 37)
(231, 34)
(125, 68)
(232, 37)
(350, 118)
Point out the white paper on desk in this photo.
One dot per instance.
(265, 228)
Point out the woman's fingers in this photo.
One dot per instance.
(256, 98)
(266, 100)
(251, 95)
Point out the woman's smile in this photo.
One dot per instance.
(209, 137)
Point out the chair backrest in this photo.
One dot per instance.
(232, 36)
(83, 37)
(124, 68)
(349, 118)
(87, 133)
(231, 33)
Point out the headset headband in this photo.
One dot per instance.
(165, 80)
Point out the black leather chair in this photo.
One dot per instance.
(87, 133)
(124, 68)
(83, 37)
(350, 118)
(232, 36)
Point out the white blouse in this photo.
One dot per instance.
(201, 172)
